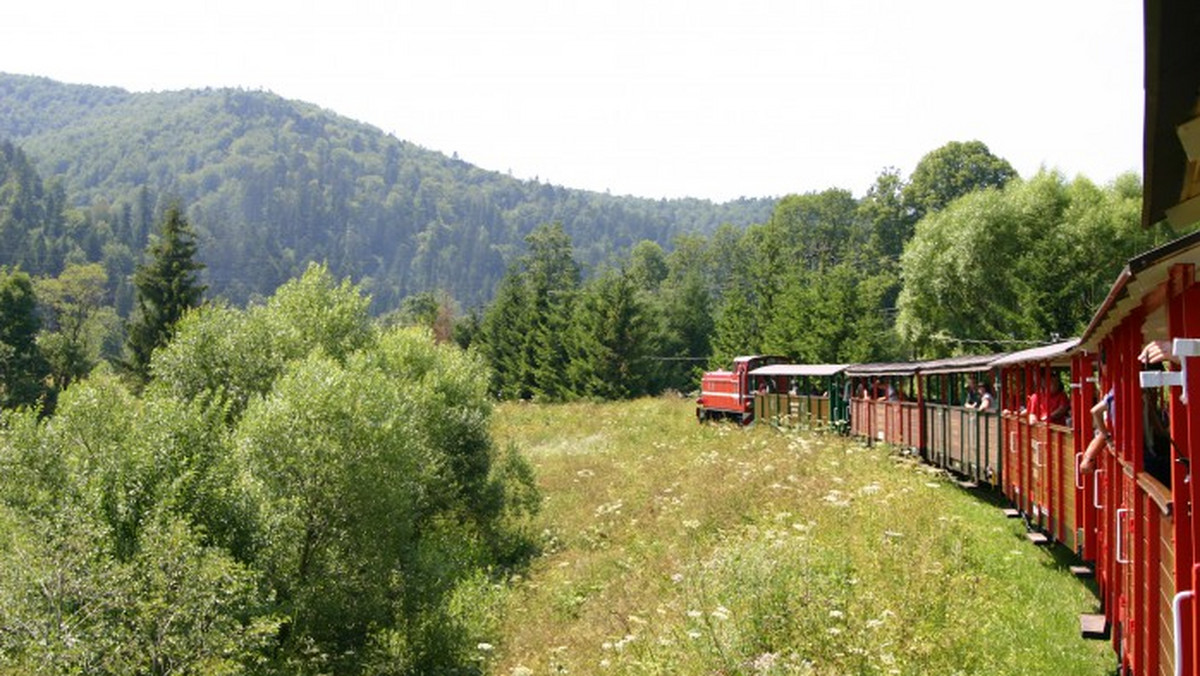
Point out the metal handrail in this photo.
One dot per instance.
(1121, 540)
(1079, 471)
(1096, 489)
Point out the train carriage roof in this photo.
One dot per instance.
(882, 369)
(815, 370)
(966, 364)
(1041, 353)
(1141, 276)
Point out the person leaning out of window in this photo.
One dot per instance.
(1103, 413)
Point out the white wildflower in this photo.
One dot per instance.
(764, 662)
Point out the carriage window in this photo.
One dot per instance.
(1156, 434)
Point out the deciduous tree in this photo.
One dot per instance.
(952, 171)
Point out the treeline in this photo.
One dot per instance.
(294, 491)
(271, 185)
(961, 256)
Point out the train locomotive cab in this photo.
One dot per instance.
(728, 394)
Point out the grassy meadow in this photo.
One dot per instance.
(677, 548)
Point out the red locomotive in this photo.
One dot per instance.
(728, 394)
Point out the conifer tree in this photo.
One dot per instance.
(503, 337)
(167, 287)
(23, 368)
(688, 326)
(552, 278)
(612, 340)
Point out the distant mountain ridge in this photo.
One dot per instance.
(270, 184)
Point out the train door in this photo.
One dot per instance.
(1014, 469)
(1082, 401)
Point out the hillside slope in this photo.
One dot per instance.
(271, 184)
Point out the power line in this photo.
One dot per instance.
(980, 341)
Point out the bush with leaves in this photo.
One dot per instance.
(295, 492)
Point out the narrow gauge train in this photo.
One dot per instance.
(1130, 517)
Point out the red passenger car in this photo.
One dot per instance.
(1141, 496)
(1038, 437)
(886, 404)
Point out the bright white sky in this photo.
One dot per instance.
(644, 97)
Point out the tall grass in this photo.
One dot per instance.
(676, 548)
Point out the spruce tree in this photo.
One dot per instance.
(613, 339)
(166, 286)
(23, 368)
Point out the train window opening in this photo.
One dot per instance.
(1157, 444)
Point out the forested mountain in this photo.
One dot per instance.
(271, 184)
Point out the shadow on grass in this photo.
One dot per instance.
(1061, 558)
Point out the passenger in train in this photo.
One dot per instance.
(1103, 414)
(987, 401)
(1156, 424)
(1032, 402)
(971, 396)
(1156, 352)
(1056, 406)
(1156, 441)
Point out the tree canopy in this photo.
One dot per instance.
(1025, 264)
(951, 171)
(265, 505)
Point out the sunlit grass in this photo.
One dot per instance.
(676, 548)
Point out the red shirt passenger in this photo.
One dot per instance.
(1054, 407)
